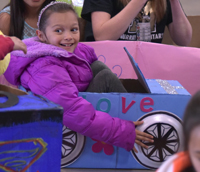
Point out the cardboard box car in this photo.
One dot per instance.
(159, 103)
(30, 132)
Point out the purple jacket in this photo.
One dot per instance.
(54, 73)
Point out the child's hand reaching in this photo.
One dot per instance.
(18, 44)
(141, 136)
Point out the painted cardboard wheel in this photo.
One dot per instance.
(72, 146)
(168, 138)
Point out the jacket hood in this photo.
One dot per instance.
(36, 49)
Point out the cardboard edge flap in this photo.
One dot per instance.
(12, 90)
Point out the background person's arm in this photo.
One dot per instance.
(180, 29)
(5, 23)
(107, 28)
(6, 46)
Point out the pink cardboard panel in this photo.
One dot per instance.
(156, 61)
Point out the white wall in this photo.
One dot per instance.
(191, 7)
(3, 3)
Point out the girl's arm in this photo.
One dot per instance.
(79, 115)
(107, 28)
(5, 23)
(180, 29)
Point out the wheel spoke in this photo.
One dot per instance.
(149, 144)
(161, 155)
(68, 144)
(172, 141)
(152, 151)
(159, 131)
(168, 133)
(68, 134)
(168, 149)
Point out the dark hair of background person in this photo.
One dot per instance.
(159, 7)
(191, 119)
(17, 12)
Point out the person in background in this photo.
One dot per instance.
(20, 17)
(134, 20)
(77, 4)
(187, 161)
(58, 67)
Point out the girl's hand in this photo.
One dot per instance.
(18, 44)
(141, 136)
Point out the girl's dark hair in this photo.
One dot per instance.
(57, 7)
(17, 15)
(191, 118)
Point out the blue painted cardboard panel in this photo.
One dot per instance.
(121, 106)
(30, 135)
(30, 102)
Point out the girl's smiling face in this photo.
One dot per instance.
(62, 30)
(194, 147)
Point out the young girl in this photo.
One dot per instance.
(187, 161)
(57, 67)
(20, 17)
(121, 20)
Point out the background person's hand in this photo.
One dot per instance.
(18, 44)
(141, 136)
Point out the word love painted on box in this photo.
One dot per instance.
(123, 102)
